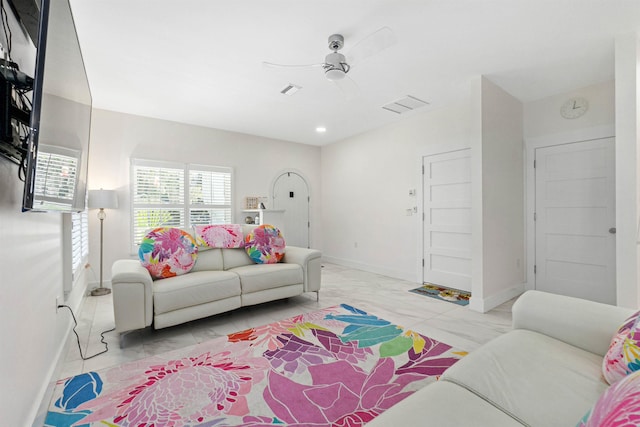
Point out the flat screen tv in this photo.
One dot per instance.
(58, 147)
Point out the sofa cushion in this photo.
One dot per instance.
(623, 356)
(193, 289)
(258, 277)
(443, 404)
(167, 252)
(536, 379)
(265, 244)
(209, 259)
(235, 258)
(219, 235)
(619, 405)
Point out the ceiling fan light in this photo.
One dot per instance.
(334, 74)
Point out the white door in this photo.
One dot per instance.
(447, 219)
(575, 220)
(291, 193)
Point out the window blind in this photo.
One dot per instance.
(210, 195)
(178, 195)
(79, 241)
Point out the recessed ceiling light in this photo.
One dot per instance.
(321, 129)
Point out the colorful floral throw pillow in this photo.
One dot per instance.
(623, 356)
(168, 252)
(265, 244)
(220, 236)
(618, 406)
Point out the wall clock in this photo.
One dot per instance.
(574, 108)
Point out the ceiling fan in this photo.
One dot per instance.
(335, 64)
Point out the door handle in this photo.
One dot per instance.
(612, 230)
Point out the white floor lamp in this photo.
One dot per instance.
(102, 199)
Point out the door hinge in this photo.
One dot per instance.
(423, 262)
(535, 216)
(308, 224)
(535, 269)
(422, 169)
(534, 164)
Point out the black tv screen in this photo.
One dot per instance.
(56, 164)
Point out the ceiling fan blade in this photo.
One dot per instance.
(348, 87)
(272, 65)
(371, 44)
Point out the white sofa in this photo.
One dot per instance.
(546, 372)
(221, 280)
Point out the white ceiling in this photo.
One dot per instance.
(200, 61)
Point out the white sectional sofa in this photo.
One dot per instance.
(221, 280)
(546, 372)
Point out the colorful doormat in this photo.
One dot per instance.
(455, 296)
(335, 367)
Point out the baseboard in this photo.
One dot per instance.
(75, 300)
(485, 304)
(396, 274)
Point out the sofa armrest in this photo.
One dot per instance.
(310, 260)
(584, 324)
(132, 295)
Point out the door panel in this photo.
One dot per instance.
(447, 219)
(291, 193)
(575, 208)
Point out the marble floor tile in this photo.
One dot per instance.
(383, 296)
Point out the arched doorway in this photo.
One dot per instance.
(291, 193)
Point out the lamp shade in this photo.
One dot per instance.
(103, 199)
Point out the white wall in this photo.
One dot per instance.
(542, 117)
(256, 161)
(365, 191)
(32, 332)
(627, 93)
(498, 198)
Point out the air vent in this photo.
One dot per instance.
(404, 105)
(290, 89)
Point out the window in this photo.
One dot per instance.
(75, 248)
(79, 241)
(178, 195)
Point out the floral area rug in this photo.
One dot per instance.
(339, 366)
(455, 296)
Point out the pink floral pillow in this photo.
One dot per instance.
(168, 252)
(623, 356)
(265, 244)
(618, 406)
(219, 236)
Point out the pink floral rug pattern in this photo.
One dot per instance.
(335, 367)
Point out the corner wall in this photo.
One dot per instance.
(498, 197)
